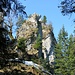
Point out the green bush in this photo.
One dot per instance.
(38, 42)
(21, 44)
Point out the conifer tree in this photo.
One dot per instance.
(67, 6)
(44, 19)
(6, 7)
(60, 52)
(71, 56)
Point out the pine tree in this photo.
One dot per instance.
(38, 45)
(71, 56)
(44, 19)
(60, 52)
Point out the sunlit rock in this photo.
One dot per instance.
(30, 30)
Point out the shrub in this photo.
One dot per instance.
(21, 44)
(38, 42)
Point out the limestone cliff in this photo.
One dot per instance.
(48, 43)
(33, 30)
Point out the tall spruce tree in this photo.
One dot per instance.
(71, 56)
(60, 52)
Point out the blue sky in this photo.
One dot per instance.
(50, 9)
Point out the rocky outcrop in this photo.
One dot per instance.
(48, 44)
(34, 31)
(30, 30)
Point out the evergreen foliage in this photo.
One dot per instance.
(44, 19)
(67, 6)
(60, 52)
(21, 44)
(65, 54)
(71, 55)
(11, 5)
(38, 42)
(6, 7)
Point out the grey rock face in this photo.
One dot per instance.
(48, 45)
(30, 31)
